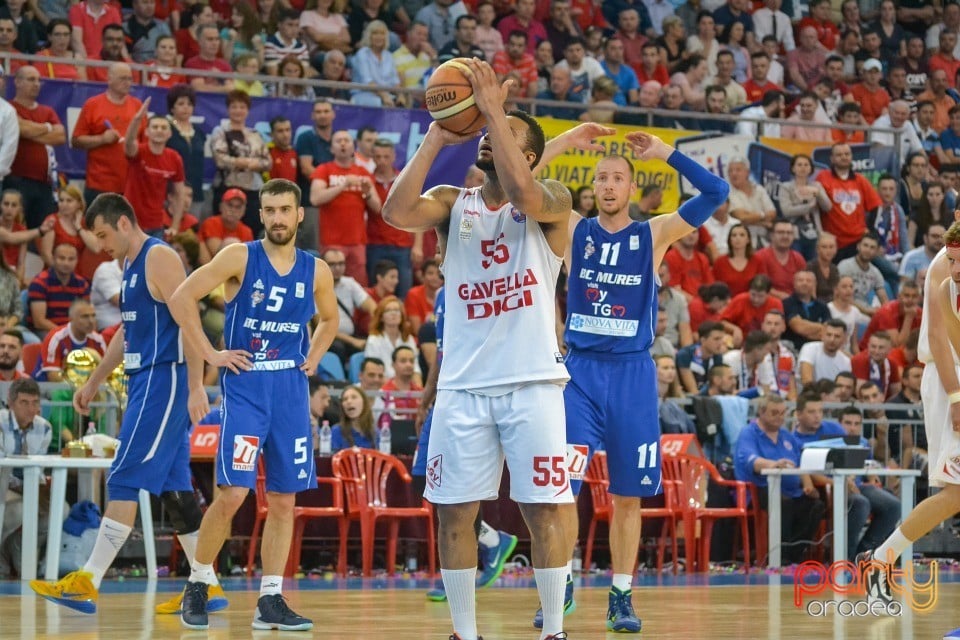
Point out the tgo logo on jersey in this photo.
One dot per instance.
(435, 471)
(245, 452)
(261, 349)
(594, 294)
(597, 296)
(577, 456)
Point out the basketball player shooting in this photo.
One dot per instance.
(611, 400)
(499, 392)
(939, 350)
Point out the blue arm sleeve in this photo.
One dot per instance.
(713, 190)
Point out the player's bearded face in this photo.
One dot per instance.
(281, 233)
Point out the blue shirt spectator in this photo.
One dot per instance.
(827, 429)
(338, 442)
(626, 79)
(754, 442)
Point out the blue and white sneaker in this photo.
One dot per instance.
(620, 615)
(569, 605)
(952, 635)
(438, 594)
(492, 559)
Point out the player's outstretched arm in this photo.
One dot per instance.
(228, 264)
(693, 213)
(110, 361)
(547, 202)
(404, 207)
(165, 273)
(329, 317)
(581, 137)
(950, 337)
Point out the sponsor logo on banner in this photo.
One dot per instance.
(435, 471)
(617, 327)
(245, 452)
(713, 152)
(577, 458)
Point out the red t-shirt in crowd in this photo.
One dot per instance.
(738, 281)
(781, 275)
(888, 318)
(284, 163)
(746, 316)
(416, 303)
(11, 252)
(688, 275)
(55, 70)
(342, 219)
(700, 313)
(851, 199)
(62, 236)
(80, 17)
(378, 231)
(32, 160)
(898, 357)
(404, 406)
(213, 227)
(872, 103)
(660, 74)
(107, 164)
(827, 32)
(755, 91)
(864, 369)
(165, 78)
(148, 178)
(187, 45)
(217, 64)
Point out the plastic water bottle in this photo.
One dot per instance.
(91, 428)
(325, 435)
(576, 565)
(385, 444)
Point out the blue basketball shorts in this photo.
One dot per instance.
(266, 412)
(154, 451)
(420, 457)
(611, 404)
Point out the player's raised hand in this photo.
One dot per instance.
(236, 360)
(143, 109)
(583, 136)
(648, 146)
(488, 92)
(198, 404)
(449, 137)
(82, 398)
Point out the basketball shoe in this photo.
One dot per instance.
(492, 559)
(620, 615)
(569, 606)
(216, 601)
(75, 590)
(193, 613)
(877, 581)
(273, 613)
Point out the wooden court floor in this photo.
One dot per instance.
(689, 612)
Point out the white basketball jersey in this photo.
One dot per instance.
(929, 289)
(500, 318)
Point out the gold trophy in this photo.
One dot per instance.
(77, 368)
(117, 383)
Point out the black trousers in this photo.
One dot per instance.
(800, 518)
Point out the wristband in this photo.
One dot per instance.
(954, 397)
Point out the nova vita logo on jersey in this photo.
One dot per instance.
(603, 326)
(498, 296)
(852, 580)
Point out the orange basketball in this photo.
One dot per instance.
(449, 99)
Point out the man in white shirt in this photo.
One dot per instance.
(824, 359)
(350, 297)
(752, 366)
(9, 132)
(105, 293)
(718, 226)
(583, 69)
(771, 106)
(770, 21)
(898, 119)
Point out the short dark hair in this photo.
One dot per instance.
(111, 207)
(535, 139)
(237, 95)
(836, 323)
(278, 120)
(464, 17)
(708, 327)
(178, 91)
(23, 386)
(716, 370)
(113, 26)
(287, 14)
(808, 396)
(851, 410)
(517, 33)
(14, 333)
(383, 267)
(883, 178)
(403, 347)
(367, 128)
(770, 97)
(374, 361)
(869, 235)
(845, 374)
(756, 340)
(279, 186)
(57, 22)
(761, 282)
(848, 107)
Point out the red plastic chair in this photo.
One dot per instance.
(691, 476)
(597, 477)
(300, 517)
(364, 474)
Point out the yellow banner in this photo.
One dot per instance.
(575, 167)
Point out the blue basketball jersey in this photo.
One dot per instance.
(612, 289)
(150, 334)
(270, 315)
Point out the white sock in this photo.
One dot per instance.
(622, 581)
(110, 538)
(551, 585)
(460, 585)
(489, 537)
(204, 573)
(892, 547)
(271, 585)
(189, 543)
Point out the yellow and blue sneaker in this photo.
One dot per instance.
(620, 615)
(75, 590)
(216, 601)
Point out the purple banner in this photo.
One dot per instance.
(405, 127)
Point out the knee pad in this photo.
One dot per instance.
(184, 512)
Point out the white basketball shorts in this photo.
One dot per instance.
(473, 434)
(942, 440)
